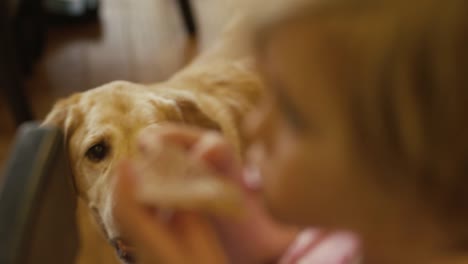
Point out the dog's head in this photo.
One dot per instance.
(100, 127)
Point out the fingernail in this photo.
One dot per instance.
(252, 177)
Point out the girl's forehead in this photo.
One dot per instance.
(297, 56)
(300, 63)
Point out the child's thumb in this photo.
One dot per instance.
(217, 154)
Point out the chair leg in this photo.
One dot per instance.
(188, 16)
(29, 31)
(11, 82)
(18, 104)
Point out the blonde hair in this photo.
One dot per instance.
(404, 78)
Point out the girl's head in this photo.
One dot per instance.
(366, 123)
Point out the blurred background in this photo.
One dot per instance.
(50, 49)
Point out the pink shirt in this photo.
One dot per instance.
(314, 246)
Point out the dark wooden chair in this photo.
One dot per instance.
(188, 16)
(37, 201)
(21, 40)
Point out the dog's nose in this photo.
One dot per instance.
(124, 252)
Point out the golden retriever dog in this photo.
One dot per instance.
(100, 125)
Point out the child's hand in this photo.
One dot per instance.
(256, 238)
(186, 238)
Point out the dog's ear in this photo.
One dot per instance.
(205, 111)
(64, 115)
(209, 112)
(183, 108)
(192, 114)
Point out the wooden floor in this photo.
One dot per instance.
(135, 40)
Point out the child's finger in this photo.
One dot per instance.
(215, 152)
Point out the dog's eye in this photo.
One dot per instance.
(97, 152)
